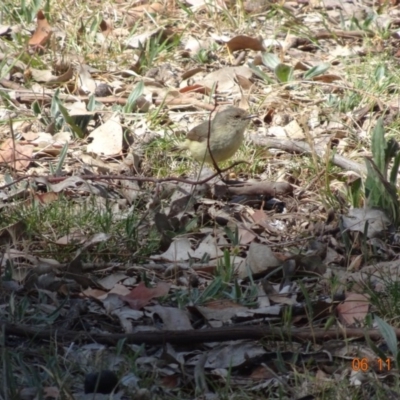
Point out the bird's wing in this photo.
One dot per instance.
(199, 133)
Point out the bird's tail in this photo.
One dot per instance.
(179, 147)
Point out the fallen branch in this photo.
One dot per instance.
(191, 336)
(262, 188)
(57, 179)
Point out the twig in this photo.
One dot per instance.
(260, 332)
(208, 140)
(55, 179)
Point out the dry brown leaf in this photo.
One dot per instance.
(194, 45)
(261, 374)
(261, 218)
(260, 258)
(107, 138)
(85, 83)
(191, 72)
(196, 89)
(46, 76)
(294, 131)
(147, 8)
(18, 158)
(119, 289)
(244, 82)
(359, 219)
(217, 314)
(171, 381)
(246, 236)
(354, 309)
(139, 40)
(243, 42)
(208, 246)
(39, 75)
(226, 78)
(106, 28)
(257, 6)
(5, 30)
(51, 392)
(14, 233)
(30, 136)
(141, 295)
(327, 78)
(282, 299)
(222, 304)
(42, 33)
(173, 318)
(95, 293)
(355, 263)
(179, 250)
(111, 280)
(46, 198)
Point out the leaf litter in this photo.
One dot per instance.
(104, 231)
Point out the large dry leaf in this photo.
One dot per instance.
(257, 6)
(42, 33)
(217, 313)
(46, 75)
(96, 238)
(147, 8)
(111, 280)
(18, 157)
(138, 41)
(234, 355)
(51, 392)
(126, 317)
(14, 233)
(141, 295)
(327, 78)
(5, 30)
(354, 309)
(259, 259)
(242, 42)
(358, 218)
(46, 198)
(106, 28)
(294, 131)
(246, 236)
(208, 246)
(130, 190)
(78, 110)
(195, 89)
(226, 78)
(86, 84)
(194, 45)
(179, 250)
(11, 254)
(112, 302)
(173, 318)
(107, 138)
(245, 84)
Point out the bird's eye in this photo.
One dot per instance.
(237, 116)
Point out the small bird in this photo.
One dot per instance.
(226, 132)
